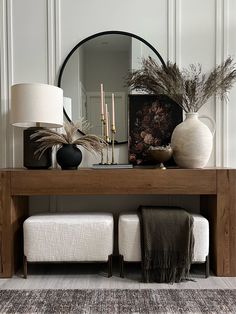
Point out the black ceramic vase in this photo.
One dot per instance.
(69, 157)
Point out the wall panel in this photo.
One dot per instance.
(29, 31)
(29, 52)
(4, 86)
(232, 96)
(196, 42)
(81, 19)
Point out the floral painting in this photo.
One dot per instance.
(152, 119)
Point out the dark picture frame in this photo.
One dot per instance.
(152, 119)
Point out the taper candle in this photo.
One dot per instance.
(102, 98)
(113, 110)
(104, 101)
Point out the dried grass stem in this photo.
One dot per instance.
(189, 88)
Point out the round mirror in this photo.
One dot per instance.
(104, 58)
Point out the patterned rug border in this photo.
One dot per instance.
(139, 301)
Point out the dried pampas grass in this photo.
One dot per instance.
(48, 138)
(189, 88)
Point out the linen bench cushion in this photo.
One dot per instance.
(130, 244)
(68, 237)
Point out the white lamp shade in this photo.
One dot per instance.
(33, 103)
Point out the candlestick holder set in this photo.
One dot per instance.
(109, 141)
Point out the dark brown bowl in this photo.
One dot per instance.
(160, 155)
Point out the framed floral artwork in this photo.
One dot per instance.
(152, 119)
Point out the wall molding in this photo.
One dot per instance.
(51, 74)
(53, 39)
(10, 130)
(226, 107)
(178, 31)
(51, 50)
(58, 60)
(4, 84)
(221, 111)
(7, 138)
(171, 31)
(174, 31)
(51, 67)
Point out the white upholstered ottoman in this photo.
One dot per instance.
(77, 237)
(130, 245)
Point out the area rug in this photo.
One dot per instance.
(118, 301)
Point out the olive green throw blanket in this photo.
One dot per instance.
(167, 243)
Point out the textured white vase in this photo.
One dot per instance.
(192, 142)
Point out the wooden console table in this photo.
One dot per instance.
(216, 187)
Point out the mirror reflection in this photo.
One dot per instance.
(104, 58)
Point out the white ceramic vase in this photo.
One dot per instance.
(192, 142)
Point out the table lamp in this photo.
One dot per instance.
(34, 106)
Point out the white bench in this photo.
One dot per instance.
(75, 237)
(130, 245)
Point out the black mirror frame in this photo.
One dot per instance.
(94, 36)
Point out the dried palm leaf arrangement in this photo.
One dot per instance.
(48, 138)
(189, 88)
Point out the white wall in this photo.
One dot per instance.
(36, 36)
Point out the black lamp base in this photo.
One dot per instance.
(31, 160)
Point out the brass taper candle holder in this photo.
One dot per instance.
(103, 128)
(113, 132)
(108, 142)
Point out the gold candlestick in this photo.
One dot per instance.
(108, 142)
(103, 125)
(113, 132)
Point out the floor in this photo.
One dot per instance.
(94, 276)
